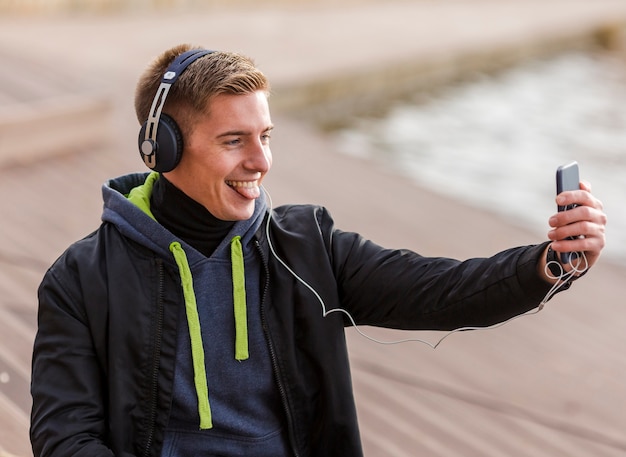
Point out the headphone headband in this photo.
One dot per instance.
(148, 146)
(181, 62)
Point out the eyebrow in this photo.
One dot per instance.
(242, 132)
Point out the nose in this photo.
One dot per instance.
(259, 158)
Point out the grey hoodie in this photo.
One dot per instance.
(225, 398)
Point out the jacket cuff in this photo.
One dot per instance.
(532, 282)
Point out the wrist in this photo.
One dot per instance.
(553, 263)
(558, 271)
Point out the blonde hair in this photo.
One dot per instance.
(211, 75)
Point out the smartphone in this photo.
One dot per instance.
(567, 178)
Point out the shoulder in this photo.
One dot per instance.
(291, 210)
(85, 256)
(73, 256)
(298, 228)
(301, 217)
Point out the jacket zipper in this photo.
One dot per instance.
(155, 359)
(281, 387)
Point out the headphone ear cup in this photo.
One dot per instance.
(168, 148)
(170, 144)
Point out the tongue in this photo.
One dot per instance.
(248, 192)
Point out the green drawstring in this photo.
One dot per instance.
(239, 299)
(193, 321)
(197, 350)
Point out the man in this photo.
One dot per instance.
(198, 321)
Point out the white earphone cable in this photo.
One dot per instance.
(579, 268)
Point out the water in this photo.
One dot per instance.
(495, 142)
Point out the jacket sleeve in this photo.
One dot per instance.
(401, 289)
(68, 413)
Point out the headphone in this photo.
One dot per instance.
(160, 140)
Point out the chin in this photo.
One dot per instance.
(241, 215)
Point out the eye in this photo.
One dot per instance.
(232, 142)
(265, 137)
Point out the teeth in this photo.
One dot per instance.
(242, 183)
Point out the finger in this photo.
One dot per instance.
(585, 185)
(579, 198)
(577, 214)
(589, 229)
(595, 217)
(574, 230)
(591, 246)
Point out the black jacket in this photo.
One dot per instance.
(103, 361)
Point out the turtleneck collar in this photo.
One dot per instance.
(186, 218)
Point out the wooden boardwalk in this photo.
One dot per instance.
(547, 385)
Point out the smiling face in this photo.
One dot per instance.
(227, 155)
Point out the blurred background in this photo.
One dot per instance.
(435, 125)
